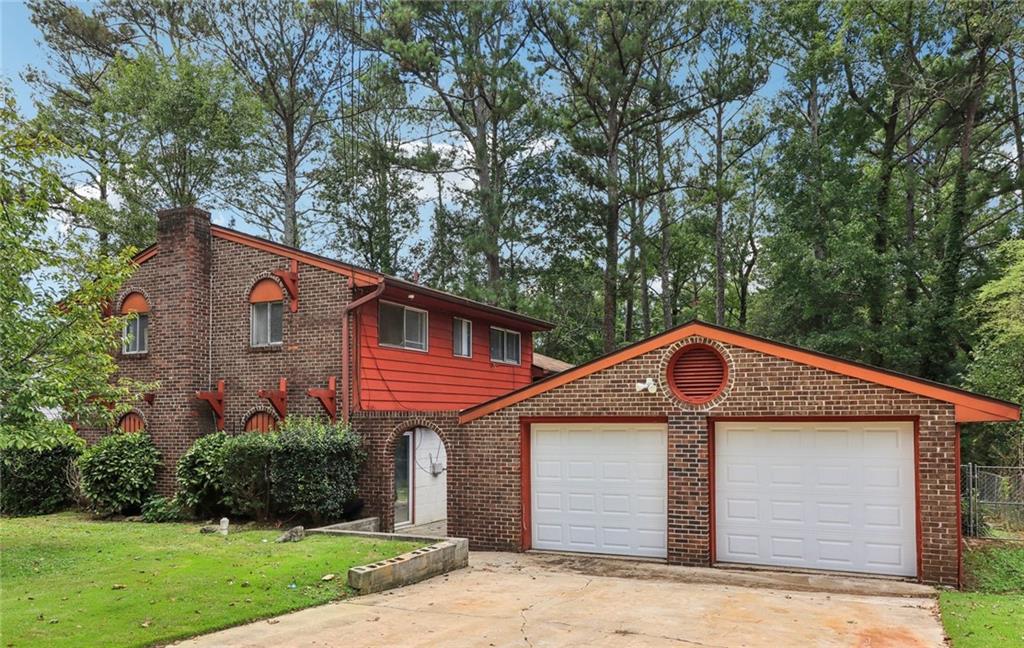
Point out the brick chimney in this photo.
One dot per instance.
(181, 319)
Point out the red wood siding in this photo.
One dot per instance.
(434, 380)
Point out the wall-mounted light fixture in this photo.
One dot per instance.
(647, 385)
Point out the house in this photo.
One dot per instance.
(698, 446)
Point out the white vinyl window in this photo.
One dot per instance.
(403, 326)
(505, 346)
(462, 337)
(136, 334)
(266, 319)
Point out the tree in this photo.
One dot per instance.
(469, 57)
(997, 366)
(81, 48)
(290, 55)
(55, 364)
(368, 191)
(602, 54)
(191, 124)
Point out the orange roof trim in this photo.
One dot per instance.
(970, 407)
(134, 303)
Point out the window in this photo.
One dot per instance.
(504, 346)
(462, 337)
(402, 326)
(266, 313)
(136, 329)
(260, 422)
(131, 422)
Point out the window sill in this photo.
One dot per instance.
(134, 354)
(506, 363)
(402, 348)
(268, 348)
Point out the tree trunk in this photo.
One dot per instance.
(719, 219)
(878, 281)
(1015, 120)
(291, 192)
(611, 242)
(664, 221)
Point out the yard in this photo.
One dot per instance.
(990, 610)
(71, 581)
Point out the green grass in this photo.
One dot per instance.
(68, 581)
(990, 612)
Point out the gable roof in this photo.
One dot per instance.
(970, 407)
(360, 277)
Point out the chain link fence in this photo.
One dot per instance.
(993, 501)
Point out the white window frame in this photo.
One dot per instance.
(405, 338)
(506, 332)
(469, 323)
(252, 326)
(127, 342)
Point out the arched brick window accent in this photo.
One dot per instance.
(266, 312)
(136, 329)
(131, 422)
(697, 373)
(260, 422)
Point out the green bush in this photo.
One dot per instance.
(246, 477)
(119, 472)
(314, 468)
(200, 476)
(161, 509)
(34, 482)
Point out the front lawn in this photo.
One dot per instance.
(990, 610)
(68, 581)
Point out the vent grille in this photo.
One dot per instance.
(697, 373)
(132, 422)
(261, 422)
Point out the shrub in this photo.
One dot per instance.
(314, 469)
(34, 482)
(246, 479)
(161, 509)
(119, 472)
(200, 475)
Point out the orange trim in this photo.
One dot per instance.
(916, 420)
(145, 255)
(982, 406)
(265, 290)
(134, 303)
(359, 278)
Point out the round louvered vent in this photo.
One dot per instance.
(697, 373)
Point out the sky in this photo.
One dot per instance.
(18, 48)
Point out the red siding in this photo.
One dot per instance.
(434, 380)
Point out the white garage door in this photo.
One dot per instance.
(837, 496)
(599, 488)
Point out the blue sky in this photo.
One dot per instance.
(18, 48)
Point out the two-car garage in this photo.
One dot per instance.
(832, 494)
(706, 446)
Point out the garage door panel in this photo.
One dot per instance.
(609, 494)
(845, 508)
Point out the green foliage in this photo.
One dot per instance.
(162, 509)
(55, 364)
(191, 123)
(200, 475)
(119, 472)
(33, 481)
(315, 466)
(246, 472)
(997, 368)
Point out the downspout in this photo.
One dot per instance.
(345, 351)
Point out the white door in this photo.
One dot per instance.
(599, 488)
(837, 496)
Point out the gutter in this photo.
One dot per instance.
(349, 309)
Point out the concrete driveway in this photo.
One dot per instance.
(539, 600)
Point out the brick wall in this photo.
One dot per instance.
(484, 454)
(197, 285)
